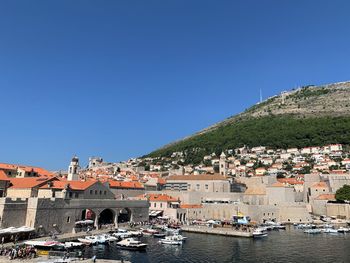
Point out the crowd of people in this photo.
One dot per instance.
(18, 252)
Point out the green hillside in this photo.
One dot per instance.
(309, 116)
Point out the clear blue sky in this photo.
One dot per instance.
(119, 79)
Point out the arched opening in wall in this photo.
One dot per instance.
(88, 214)
(106, 217)
(124, 215)
(85, 220)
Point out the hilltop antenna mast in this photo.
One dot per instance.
(260, 96)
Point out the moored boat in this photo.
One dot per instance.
(131, 244)
(170, 240)
(259, 232)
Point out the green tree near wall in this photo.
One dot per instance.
(343, 193)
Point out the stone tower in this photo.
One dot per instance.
(223, 164)
(73, 169)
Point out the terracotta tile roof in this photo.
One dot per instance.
(29, 182)
(3, 176)
(158, 197)
(196, 177)
(38, 170)
(326, 197)
(184, 206)
(320, 185)
(74, 185)
(161, 181)
(122, 184)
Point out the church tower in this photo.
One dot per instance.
(73, 169)
(223, 164)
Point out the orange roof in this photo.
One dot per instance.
(29, 182)
(161, 181)
(3, 176)
(197, 177)
(122, 184)
(191, 206)
(159, 197)
(320, 185)
(38, 170)
(74, 185)
(326, 197)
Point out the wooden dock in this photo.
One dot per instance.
(223, 231)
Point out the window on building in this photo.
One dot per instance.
(68, 219)
(105, 192)
(161, 205)
(206, 187)
(91, 192)
(155, 205)
(70, 194)
(100, 192)
(76, 195)
(197, 186)
(95, 192)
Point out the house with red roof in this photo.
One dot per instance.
(162, 205)
(90, 189)
(125, 189)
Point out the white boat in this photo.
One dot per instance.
(87, 241)
(131, 244)
(312, 231)
(329, 231)
(170, 240)
(149, 231)
(178, 237)
(259, 232)
(96, 239)
(121, 233)
(73, 244)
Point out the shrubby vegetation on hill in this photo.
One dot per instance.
(273, 131)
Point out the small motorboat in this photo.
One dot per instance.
(159, 235)
(87, 241)
(169, 240)
(312, 231)
(179, 237)
(329, 231)
(149, 231)
(122, 233)
(131, 244)
(259, 232)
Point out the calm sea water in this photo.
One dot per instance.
(285, 246)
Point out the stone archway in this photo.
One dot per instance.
(106, 217)
(124, 215)
(88, 214)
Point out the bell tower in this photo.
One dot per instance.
(73, 169)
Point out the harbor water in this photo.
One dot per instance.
(291, 245)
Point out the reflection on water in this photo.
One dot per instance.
(285, 246)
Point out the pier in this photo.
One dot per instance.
(223, 231)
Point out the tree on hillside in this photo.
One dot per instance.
(343, 193)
